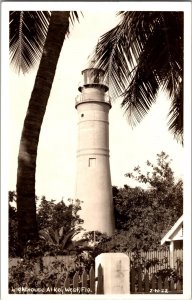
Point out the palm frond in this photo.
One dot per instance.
(139, 96)
(27, 35)
(176, 116)
(109, 56)
(54, 235)
(67, 237)
(28, 30)
(74, 16)
(45, 235)
(143, 53)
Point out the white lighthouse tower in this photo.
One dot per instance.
(93, 181)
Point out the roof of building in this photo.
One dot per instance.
(172, 231)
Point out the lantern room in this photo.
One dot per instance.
(93, 77)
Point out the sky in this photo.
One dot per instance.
(56, 161)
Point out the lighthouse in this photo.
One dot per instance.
(93, 178)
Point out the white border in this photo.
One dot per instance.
(85, 6)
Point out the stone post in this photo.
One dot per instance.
(116, 272)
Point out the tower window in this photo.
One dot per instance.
(92, 162)
(82, 115)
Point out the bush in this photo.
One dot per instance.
(171, 273)
(31, 277)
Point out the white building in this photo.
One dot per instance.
(93, 178)
(174, 237)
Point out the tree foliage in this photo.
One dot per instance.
(58, 223)
(142, 216)
(56, 215)
(145, 215)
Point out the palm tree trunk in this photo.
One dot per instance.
(26, 205)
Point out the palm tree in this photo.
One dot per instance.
(142, 54)
(33, 34)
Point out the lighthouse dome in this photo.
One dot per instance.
(93, 77)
